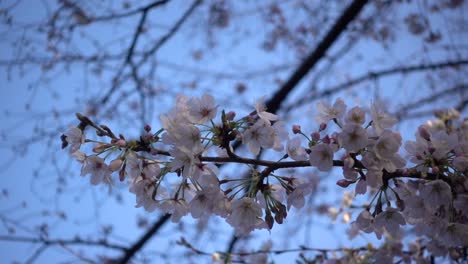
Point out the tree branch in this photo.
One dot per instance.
(347, 16)
(376, 75)
(143, 9)
(145, 238)
(431, 98)
(46, 241)
(171, 32)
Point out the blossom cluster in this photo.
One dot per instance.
(174, 169)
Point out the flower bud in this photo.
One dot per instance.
(315, 136)
(348, 162)
(435, 170)
(100, 147)
(230, 115)
(323, 126)
(326, 139)
(334, 136)
(147, 128)
(296, 129)
(115, 164)
(424, 133)
(121, 143)
(343, 183)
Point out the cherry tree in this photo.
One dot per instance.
(248, 124)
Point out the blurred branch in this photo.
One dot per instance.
(143, 9)
(130, 252)
(376, 75)
(227, 255)
(76, 241)
(150, 52)
(351, 12)
(171, 32)
(403, 111)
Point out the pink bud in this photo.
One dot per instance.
(343, 183)
(348, 162)
(316, 136)
(147, 128)
(100, 147)
(296, 129)
(435, 170)
(334, 136)
(121, 143)
(115, 164)
(326, 140)
(424, 133)
(323, 126)
(230, 115)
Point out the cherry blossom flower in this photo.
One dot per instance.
(350, 173)
(365, 221)
(437, 248)
(356, 115)
(280, 135)
(461, 163)
(321, 156)
(184, 160)
(380, 119)
(208, 201)
(99, 171)
(145, 190)
(74, 137)
(328, 112)
(151, 170)
(455, 235)
(184, 137)
(260, 109)
(390, 220)
(246, 216)
(387, 145)
(353, 137)
(374, 178)
(202, 109)
(295, 151)
(415, 207)
(461, 203)
(361, 186)
(430, 225)
(436, 193)
(133, 165)
(372, 162)
(207, 176)
(302, 188)
(260, 135)
(177, 209)
(274, 191)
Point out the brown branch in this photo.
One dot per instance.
(171, 32)
(77, 241)
(376, 75)
(351, 12)
(186, 244)
(145, 238)
(143, 9)
(431, 98)
(146, 55)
